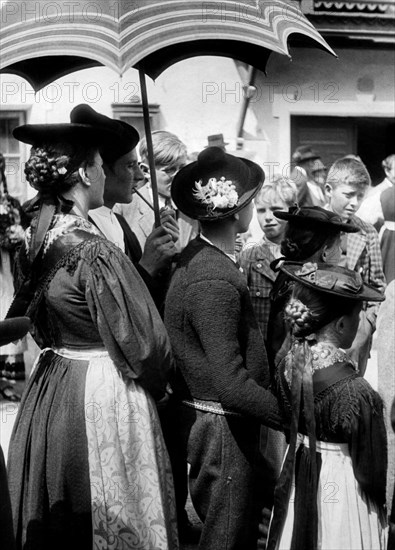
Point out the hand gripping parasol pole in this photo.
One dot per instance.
(148, 137)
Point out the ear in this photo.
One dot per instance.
(84, 176)
(328, 190)
(339, 325)
(324, 253)
(236, 216)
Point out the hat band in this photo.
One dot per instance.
(331, 281)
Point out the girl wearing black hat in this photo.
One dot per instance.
(332, 489)
(312, 234)
(87, 463)
(222, 369)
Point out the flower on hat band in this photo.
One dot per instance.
(62, 170)
(219, 193)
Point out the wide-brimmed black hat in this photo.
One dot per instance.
(126, 138)
(312, 217)
(95, 131)
(332, 279)
(216, 185)
(13, 329)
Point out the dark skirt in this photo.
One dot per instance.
(48, 463)
(88, 466)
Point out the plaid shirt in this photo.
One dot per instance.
(255, 261)
(363, 255)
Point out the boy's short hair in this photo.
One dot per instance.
(278, 188)
(348, 171)
(168, 149)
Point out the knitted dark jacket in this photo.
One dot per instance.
(217, 344)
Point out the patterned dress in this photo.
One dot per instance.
(87, 464)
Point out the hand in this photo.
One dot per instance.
(15, 233)
(159, 251)
(168, 221)
(264, 528)
(161, 404)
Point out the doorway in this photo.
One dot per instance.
(371, 138)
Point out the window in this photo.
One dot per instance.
(132, 113)
(12, 151)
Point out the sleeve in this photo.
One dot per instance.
(128, 321)
(214, 309)
(373, 273)
(157, 286)
(368, 446)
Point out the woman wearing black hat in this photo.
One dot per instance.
(87, 462)
(312, 234)
(221, 361)
(337, 452)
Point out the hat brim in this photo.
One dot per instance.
(13, 329)
(365, 294)
(185, 180)
(42, 134)
(311, 222)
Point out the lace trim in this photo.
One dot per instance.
(324, 355)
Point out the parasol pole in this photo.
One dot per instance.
(244, 107)
(148, 137)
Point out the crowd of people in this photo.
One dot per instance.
(173, 363)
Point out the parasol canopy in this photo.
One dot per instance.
(44, 40)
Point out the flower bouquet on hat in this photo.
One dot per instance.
(216, 185)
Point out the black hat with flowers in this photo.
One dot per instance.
(332, 279)
(216, 185)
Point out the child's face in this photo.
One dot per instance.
(165, 176)
(270, 225)
(345, 199)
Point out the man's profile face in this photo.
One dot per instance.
(122, 178)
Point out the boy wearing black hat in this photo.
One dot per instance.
(221, 360)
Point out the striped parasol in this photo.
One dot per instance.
(42, 40)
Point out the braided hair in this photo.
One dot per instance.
(53, 169)
(309, 310)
